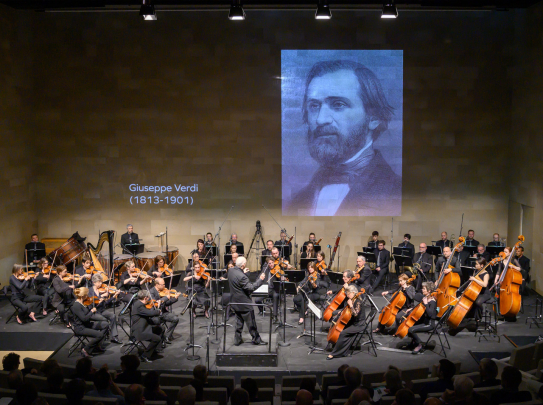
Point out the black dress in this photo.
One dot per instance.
(86, 323)
(199, 287)
(312, 292)
(26, 303)
(355, 326)
(426, 322)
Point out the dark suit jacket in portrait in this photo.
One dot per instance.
(374, 190)
(241, 289)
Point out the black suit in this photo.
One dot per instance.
(484, 255)
(129, 239)
(411, 252)
(241, 289)
(365, 277)
(145, 326)
(167, 316)
(454, 262)
(525, 270)
(442, 244)
(464, 256)
(375, 189)
(471, 242)
(383, 261)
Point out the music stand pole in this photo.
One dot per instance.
(284, 343)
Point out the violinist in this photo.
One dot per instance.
(130, 280)
(160, 269)
(355, 325)
(426, 322)
(43, 282)
(85, 272)
(195, 259)
(145, 325)
(443, 259)
(382, 262)
(104, 300)
(266, 268)
(27, 304)
(268, 250)
(233, 249)
(309, 252)
(160, 293)
(209, 241)
(63, 296)
(364, 273)
(409, 292)
(278, 261)
(87, 322)
(310, 285)
(321, 264)
(197, 285)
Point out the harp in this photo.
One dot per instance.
(106, 236)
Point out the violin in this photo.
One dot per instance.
(321, 266)
(24, 275)
(69, 277)
(448, 284)
(412, 318)
(387, 317)
(91, 301)
(109, 289)
(171, 292)
(278, 267)
(152, 304)
(342, 320)
(138, 273)
(312, 278)
(166, 270)
(203, 273)
(49, 269)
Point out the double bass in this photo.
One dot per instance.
(469, 296)
(509, 285)
(387, 317)
(342, 321)
(448, 284)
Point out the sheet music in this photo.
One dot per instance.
(314, 308)
(263, 289)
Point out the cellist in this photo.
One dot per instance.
(355, 325)
(455, 262)
(426, 322)
(409, 292)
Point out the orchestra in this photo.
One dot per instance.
(85, 296)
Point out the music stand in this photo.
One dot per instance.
(284, 250)
(336, 278)
(283, 288)
(216, 286)
(314, 311)
(403, 261)
(467, 272)
(134, 248)
(401, 251)
(295, 276)
(434, 250)
(305, 261)
(372, 245)
(495, 250)
(369, 256)
(470, 249)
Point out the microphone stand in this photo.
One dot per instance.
(190, 305)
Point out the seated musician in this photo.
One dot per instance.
(209, 240)
(347, 279)
(455, 263)
(355, 325)
(131, 281)
(283, 242)
(63, 296)
(406, 245)
(424, 260)
(104, 301)
(481, 252)
(196, 285)
(312, 239)
(145, 325)
(409, 292)
(167, 317)
(426, 322)
(233, 249)
(210, 244)
(266, 268)
(495, 240)
(364, 273)
(470, 240)
(311, 287)
(514, 264)
(200, 248)
(28, 304)
(442, 243)
(309, 252)
(44, 283)
(84, 271)
(227, 296)
(233, 241)
(268, 251)
(321, 264)
(159, 268)
(87, 322)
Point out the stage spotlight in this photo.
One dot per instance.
(236, 11)
(389, 11)
(147, 10)
(323, 11)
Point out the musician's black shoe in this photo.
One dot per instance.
(145, 359)
(238, 343)
(168, 341)
(116, 340)
(261, 343)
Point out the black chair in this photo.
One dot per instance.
(133, 343)
(439, 331)
(489, 322)
(81, 341)
(5, 290)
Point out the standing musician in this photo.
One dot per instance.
(268, 250)
(495, 240)
(104, 300)
(470, 240)
(44, 283)
(355, 325)
(160, 267)
(409, 292)
(443, 259)
(241, 289)
(426, 322)
(26, 303)
(381, 267)
(364, 272)
(87, 322)
(84, 272)
(481, 252)
(524, 264)
(374, 240)
(63, 296)
(34, 250)
(309, 252)
(197, 285)
(310, 284)
(129, 238)
(145, 324)
(159, 293)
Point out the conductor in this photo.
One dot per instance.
(241, 289)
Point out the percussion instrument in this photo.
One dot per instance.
(67, 253)
(147, 259)
(171, 255)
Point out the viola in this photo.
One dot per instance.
(509, 285)
(448, 284)
(469, 296)
(109, 289)
(70, 277)
(411, 319)
(166, 270)
(139, 273)
(342, 321)
(24, 275)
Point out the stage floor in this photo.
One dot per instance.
(293, 359)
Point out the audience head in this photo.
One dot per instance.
(11, 361)
(15, 379)
(151, 381)
(433, 401)
(357, 396)
(48, 366)
(393, 381)
(308, 384)
(199, 387)
(405, 397)
(463, 387)
(26, 393)
(102, 379)
(133, 395)
(341, 371)
(239, 397)
(488, 369)
(130, 362)
(55, 378)
(187, 395)
(353, 377)
(83, 367)
(251, 387)
(447, 369)
(304, 397)
(200, 373)
(75, 390)
(511, 378)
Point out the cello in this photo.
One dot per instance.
(448, 284)
(470, 294)
(387, 317)
(342, 321)
(509, 285)
(412, 318)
